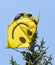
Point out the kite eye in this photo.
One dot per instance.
(22, 39)
(29, 32)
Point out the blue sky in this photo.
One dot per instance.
(46, 28)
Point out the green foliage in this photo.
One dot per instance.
(36, 54)
(12, 61)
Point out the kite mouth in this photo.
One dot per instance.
(16, 27)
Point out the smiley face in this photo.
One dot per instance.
(21, 31)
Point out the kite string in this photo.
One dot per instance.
(39, 15)
(16, 50)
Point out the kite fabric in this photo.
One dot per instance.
(21, 31)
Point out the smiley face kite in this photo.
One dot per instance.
(21, 31)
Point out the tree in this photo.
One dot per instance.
(12, 61)
(36, 53)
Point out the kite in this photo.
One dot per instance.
(21, 31)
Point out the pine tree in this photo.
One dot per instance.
(13, 62)
(35, 54)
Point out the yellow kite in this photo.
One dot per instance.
(21, 31)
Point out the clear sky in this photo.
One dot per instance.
(46, 28)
